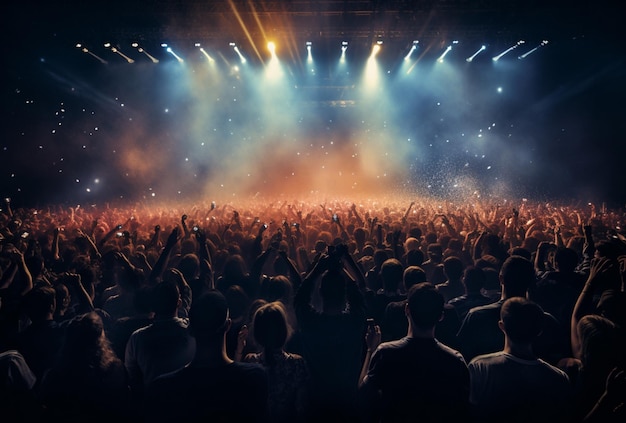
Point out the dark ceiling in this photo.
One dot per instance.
(155, 20)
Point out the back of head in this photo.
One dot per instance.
(391, 273)
(165, 298)
(602, 345)
(271, 329)
(566, 259)
(414, 257)
(189, 265)
(453, 268)
(39, 302)
(522, 319)
(208, 316)
(379, 257)
(279, 289)
(412, 276)
(474, 279)
(411, 244)
(435, 251)
(83, 333)
(237, 300)
(425, 305)
(333, 288)
(517, 276)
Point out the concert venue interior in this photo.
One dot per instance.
(186, 100)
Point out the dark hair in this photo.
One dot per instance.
(518, 275)
(522, 319)
(414, 258)
(453, 267)
(333, 287)
(86, 347)
(412, 276)
(208, 315)
(391, 273)
(425, 305)
(165, 298)
(39, 302)
(271, 329)
(474, 279)
(189, 266)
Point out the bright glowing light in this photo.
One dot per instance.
(243, 59)
(309, 56)
(271, 47)
(118, 52)
(482, 48)
(413, 48)
(499, 56)
(170, 51)
(209, 58)
(141, 50)
(543, 43)
(443, 55)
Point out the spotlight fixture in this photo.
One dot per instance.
(141, 50)
(86, 51)
(519, 43)
(471, 58)
(118, 52)
(543, 43)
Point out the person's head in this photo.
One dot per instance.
(380, 256)
(271, 330)
(333, 290)
(521, 320)
(209, 318)
(166, 299)
(602, 345)
(63, 297)
(424, 306)
(453, 268)
(238, 302)
(517, 275)
(414, 258)
(391, 274)
(411, 244)
(86, 344)
(435, 252)
(279, 288)
(189, 265)
(40, 303)
(360, 236)
(412, 276)
(566, 260)
(474, 279)
(234, 268)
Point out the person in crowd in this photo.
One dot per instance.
(473, 282)
(40, 342)
(162, 347)
(514, 385)
(453, 286)
(480, 333)
(87, 381)
(391, 274)
(287, 372)
(212, 387)
(433, 266)
(417, 378)
(332, 338)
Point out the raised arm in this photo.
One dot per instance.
(159, 266)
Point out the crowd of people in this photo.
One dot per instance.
(383, 311)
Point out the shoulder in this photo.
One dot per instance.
(487, 359)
